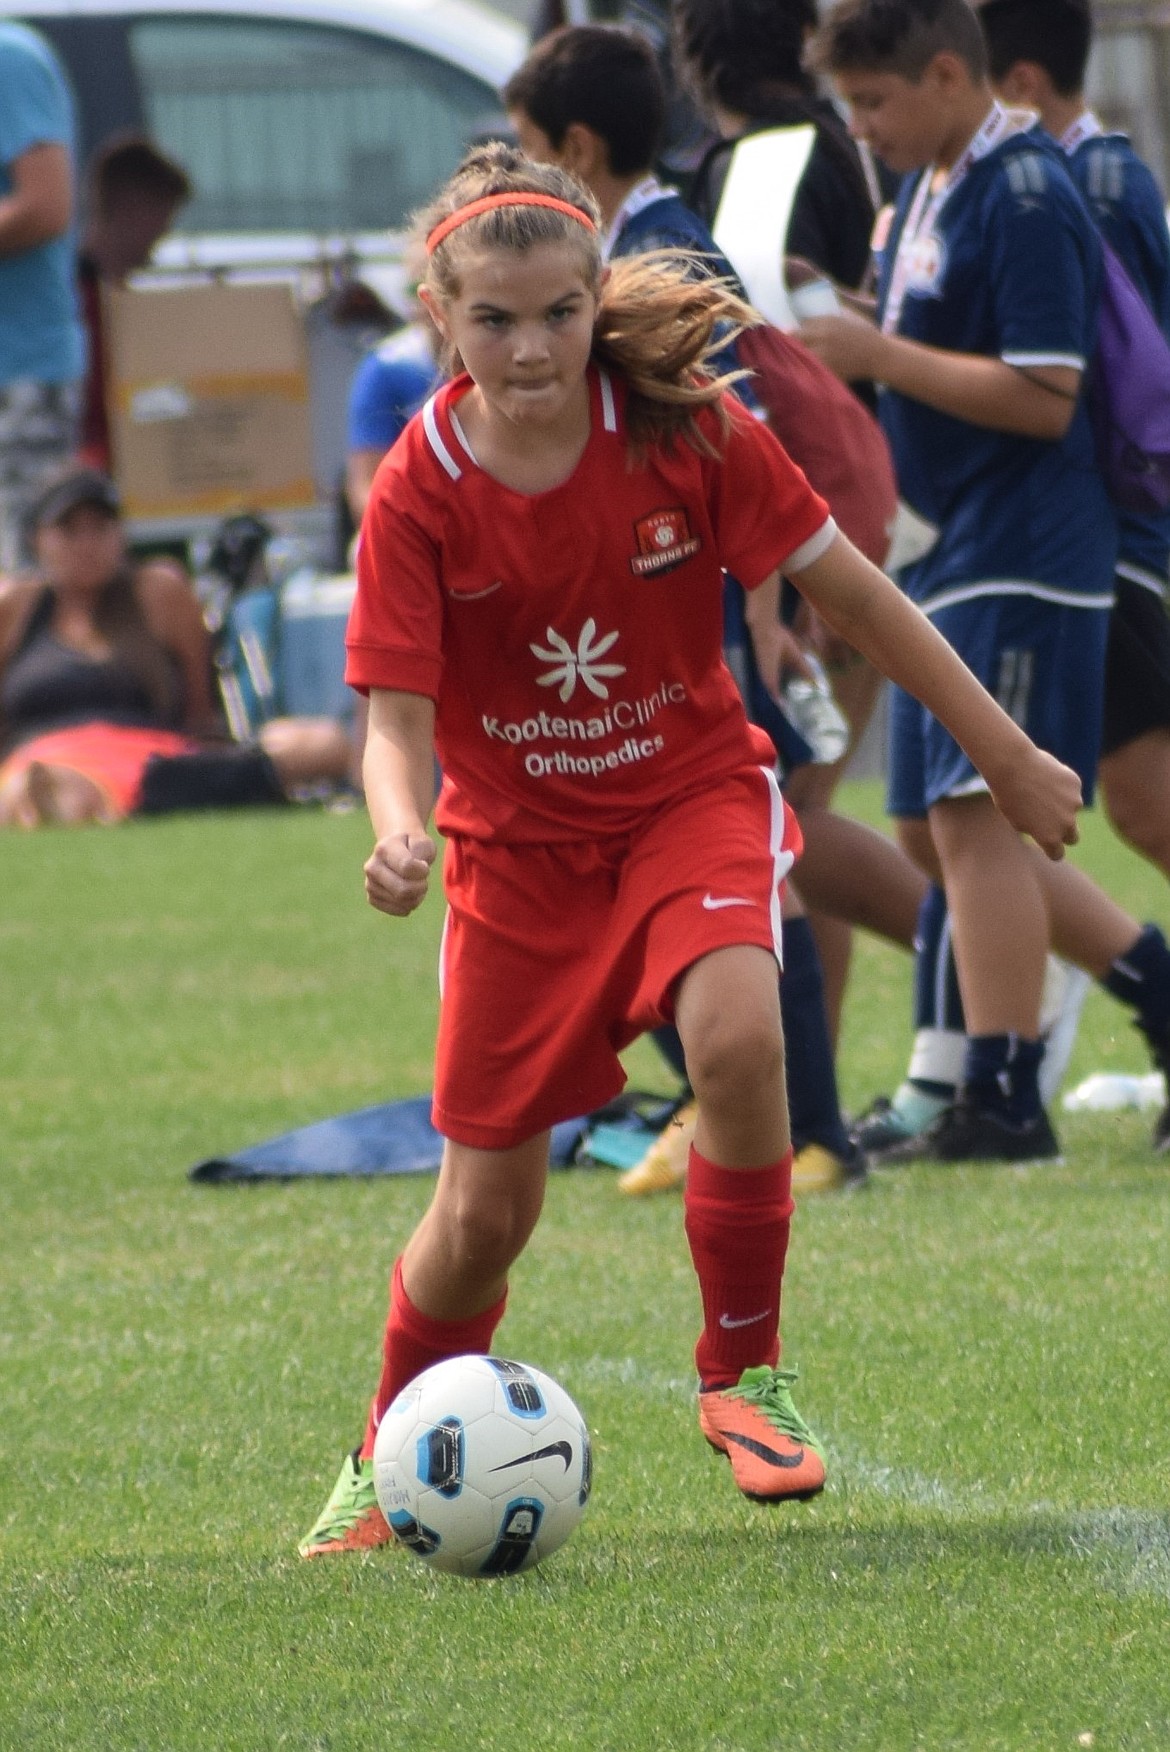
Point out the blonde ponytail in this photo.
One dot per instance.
(659, 325)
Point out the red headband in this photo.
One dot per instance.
(486, 203)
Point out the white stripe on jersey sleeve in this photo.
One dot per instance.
(1073, 360)
(435, 440)
(1135, 574)
(813, 548)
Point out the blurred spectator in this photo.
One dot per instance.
(744, 61)
(105, 684)
(42, 347)
(133, 194)
(389, 386)
(686, 134)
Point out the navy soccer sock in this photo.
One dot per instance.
(1001, 1075)
(1141, 979)
(938, 1007)
(667, 1041)
(814, 1109)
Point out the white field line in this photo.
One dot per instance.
(1129, 1548)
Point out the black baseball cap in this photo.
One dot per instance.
(77, 486)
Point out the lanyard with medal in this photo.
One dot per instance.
(917, 244)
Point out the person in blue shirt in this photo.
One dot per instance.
(389, 387)
(42, 348)
(984, 324)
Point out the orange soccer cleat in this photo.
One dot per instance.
(774, 1455)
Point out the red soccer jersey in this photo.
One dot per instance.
(572, 640)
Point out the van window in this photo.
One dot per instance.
(299, 127)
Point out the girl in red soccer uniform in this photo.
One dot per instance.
(539, 602)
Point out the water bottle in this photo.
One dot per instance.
(1112, 1092)
(815, 298)
(809, 703)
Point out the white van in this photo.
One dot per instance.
(310, 129)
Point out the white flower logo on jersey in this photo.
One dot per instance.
(579, 665)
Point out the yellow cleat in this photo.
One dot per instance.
(664, 1166)
(815, 1169)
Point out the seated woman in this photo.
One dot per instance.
(106, 705)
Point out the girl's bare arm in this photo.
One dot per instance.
(398, 771)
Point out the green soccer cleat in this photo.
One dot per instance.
(351, 1520)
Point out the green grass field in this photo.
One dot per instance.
(182, 1368)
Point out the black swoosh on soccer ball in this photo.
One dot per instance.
(561, 1450)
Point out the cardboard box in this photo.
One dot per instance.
(208, 392)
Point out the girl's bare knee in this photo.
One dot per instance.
(733, 1063)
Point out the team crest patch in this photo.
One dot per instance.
(664, 540)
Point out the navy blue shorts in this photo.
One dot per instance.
(1045, 664)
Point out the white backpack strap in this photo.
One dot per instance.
(751, 226)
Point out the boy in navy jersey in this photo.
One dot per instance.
(985, 320)
(1037, 53)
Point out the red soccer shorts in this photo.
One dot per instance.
(556, 957)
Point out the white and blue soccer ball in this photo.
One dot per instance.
(482, 1466)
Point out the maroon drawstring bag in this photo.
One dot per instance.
(827, 432)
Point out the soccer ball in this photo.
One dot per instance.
(482, 1466)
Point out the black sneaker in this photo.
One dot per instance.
(966, 1133)
(1159, 1045)
(891, 1128)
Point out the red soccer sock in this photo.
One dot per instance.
(413, 1341)
(737, 1222)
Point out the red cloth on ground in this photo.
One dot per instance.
(113, 756)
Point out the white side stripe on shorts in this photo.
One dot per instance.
(782, 860)
(443, 952)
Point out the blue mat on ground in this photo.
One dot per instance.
(396, 1137)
